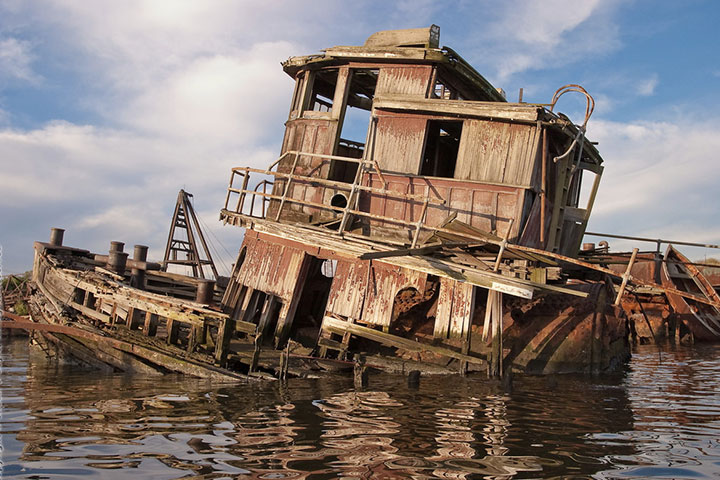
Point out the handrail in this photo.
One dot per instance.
(331, 183)
(658, 241)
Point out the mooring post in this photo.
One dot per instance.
(137, 278)
(256, 354)
(205, 291)
(414, 379)
(56, 236)
(360, 373)
(285, 362)
(117, 260)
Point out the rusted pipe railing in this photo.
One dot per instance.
(658, 241)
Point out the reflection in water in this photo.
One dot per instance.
(660, 419)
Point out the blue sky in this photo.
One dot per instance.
(108, 108)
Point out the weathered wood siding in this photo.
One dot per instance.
(405, 80)
(269, 267)
(310, 135)
(454, 311)
(497, 152)
(487, 207)
(399, 142)
(352, 283)
(348, 289)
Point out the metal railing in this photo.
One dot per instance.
(242, 175)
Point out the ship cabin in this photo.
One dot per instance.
(396, 152)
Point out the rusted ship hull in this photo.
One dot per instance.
(382, 315)
(416, 316)
(700, 319)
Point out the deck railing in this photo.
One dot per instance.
(239, 192)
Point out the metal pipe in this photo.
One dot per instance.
(56, 236)
(131, 263)
(652, 240)
(116, 246)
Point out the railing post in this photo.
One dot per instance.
(241, 197)
(287, 187)
(230, 184)
(421, 220)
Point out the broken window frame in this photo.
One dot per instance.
(423, 170)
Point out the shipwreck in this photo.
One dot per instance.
(415, 220)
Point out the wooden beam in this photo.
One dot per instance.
(340, 327)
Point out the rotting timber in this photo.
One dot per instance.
(442, 235)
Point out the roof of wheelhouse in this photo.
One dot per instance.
(419, 46)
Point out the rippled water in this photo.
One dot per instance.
(660, 419)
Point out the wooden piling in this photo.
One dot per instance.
(360, 373)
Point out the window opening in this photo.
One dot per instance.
(355, 123)
(297, 94)
(323, 90)
(442, 89)
(442, 142)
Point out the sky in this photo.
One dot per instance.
(107, 108)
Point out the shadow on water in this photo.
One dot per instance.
(661, 418)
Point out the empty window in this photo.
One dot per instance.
(323, 90)
(442, 143)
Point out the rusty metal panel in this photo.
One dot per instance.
(348, 289)
(406, 80)
(456, 303)
(269, 267)
(487, 207)
(310, 135)
(444, 308)
(385, 282)
(400, 141)
(462, 308)
(497, 152)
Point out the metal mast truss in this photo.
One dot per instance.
(183, 250)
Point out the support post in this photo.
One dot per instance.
(172, 331)
(626, 276)
(225, 333)
(150, 326)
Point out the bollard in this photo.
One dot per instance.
(56, 236)
(117, 261)
(137, 278)
(116, 246)
(414, 379)
(205, 290)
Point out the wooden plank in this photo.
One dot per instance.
(185, 366)
(462, 108)
(444, 308)
(340, 327)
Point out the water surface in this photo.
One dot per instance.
(661, 418)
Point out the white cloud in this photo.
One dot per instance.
(530, 35)
(16, 59)
(660, 179)
(647, 87)
(216, 99)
